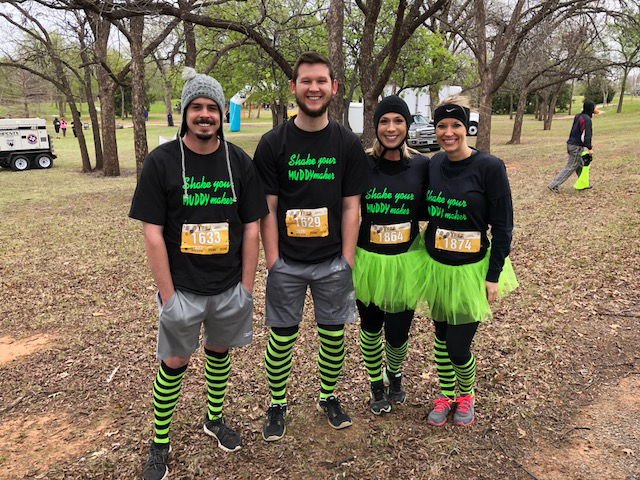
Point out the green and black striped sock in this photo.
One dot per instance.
(371, 349)
(446, 373)
(466, 375)
(216, 372)
(330, 357)
(166, 391)
(396, 356)
(277, 361)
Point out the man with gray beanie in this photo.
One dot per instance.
(200, 200)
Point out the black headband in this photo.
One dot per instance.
(452, 111)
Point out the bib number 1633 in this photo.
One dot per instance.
(205, 238)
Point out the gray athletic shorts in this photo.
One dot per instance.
(227, 319)
(331, 283)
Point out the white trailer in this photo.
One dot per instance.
(24, 144)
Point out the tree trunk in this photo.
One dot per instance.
(368, 131)
(166, 83)
(349, 97)
(335, 34)
(123, 115)
(106, 87)
(259, 109)
(189, 39)
(552, 107)
(278, 109)
(622, 87)
(510, 104)
(82, 142)
(485, 107)
(573, 80)
(93, 113)
(517, 124)
(137, 92)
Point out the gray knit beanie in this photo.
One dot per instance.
(200, 85)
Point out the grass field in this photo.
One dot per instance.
(557, 367)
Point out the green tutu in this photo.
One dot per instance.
(384, 280)
(456, 294)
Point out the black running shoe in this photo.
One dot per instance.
(378, 403)
(273, 428)
(393, 381)
(228, 439)
(336, 415)
(156, 466)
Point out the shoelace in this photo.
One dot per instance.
(274, 412)
(334, 405)
(442, 404)
(157, 458)
(464, 403)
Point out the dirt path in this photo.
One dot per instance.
(603, 441)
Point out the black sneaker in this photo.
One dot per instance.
(378, 403)
(228, 439)
(156, 466)
(273, 428)
(393, 382)
(336, 415)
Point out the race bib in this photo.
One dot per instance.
(205, 238)
(307, 222)
(390, 234)
(452, 241)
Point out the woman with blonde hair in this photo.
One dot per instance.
(462, 270)
(390, 210)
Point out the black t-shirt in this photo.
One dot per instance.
(395, 197)
(311, 170)
(159, 200)
(466, 197)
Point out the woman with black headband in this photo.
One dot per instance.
(390, 210)
(462, 271)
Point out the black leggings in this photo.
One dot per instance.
(396, 325)
(458, 339)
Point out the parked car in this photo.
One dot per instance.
(422, 134)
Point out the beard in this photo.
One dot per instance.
(312, 113)
(204, 136)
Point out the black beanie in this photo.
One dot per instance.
(588, 107)
(392, 104)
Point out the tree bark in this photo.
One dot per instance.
(511, 104)
(189, 38)
(93, 113)
(137, 92)
(552, 107)
(517, 123)
(484, 121)
(82, 142)
(123, 114)
(166, 84)
(573, 81)
(106, 86)
(335, 34)
(622, 87)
